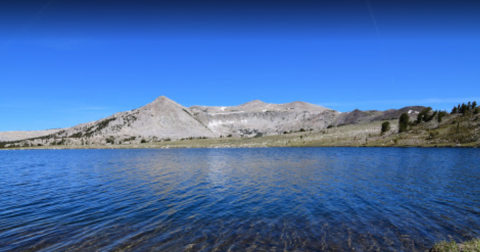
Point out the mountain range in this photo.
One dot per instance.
(166, 120)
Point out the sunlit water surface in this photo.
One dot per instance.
(275, 199)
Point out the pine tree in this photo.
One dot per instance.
(419, 118)
(385, 127)
(403, 123)
(474, 104)
(441, 114)
(464, 109)
(423, 115)
(454, 110)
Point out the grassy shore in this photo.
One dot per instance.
(452, 246)
(454, 131)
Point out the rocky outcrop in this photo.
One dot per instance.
(257, 118)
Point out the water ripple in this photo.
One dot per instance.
(277, 199)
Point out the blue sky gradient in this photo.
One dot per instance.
(67, 62)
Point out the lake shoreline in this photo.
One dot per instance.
(128, 147)
(444, 135)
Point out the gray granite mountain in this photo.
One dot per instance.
(165, 120)
(257, 118)
(160, 120)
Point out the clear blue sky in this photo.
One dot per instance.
(65, 62)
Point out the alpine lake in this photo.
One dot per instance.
(238, 199)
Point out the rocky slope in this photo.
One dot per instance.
(358, 117)
(161, 120)
(257, 118)
(19, 135)
(165, 120)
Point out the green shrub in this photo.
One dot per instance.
(385, 127)
(110, 140)
(130, 138)
(76, 135)
(103, 124)
(433, 134)
(259, 134)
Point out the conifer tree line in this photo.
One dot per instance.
(427, 114)
(465, 108)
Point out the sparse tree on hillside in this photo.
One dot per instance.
(429, 118)
(441, 114)
(424, 115)
(419, 117)
(474, 104)
(464, 109)
(454, 110)
(403, 123)
(385, 127)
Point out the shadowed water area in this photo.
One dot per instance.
(275, 199)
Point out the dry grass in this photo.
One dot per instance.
(452, 246)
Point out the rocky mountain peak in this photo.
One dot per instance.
(163, 99)
(162, 102)
(304, 106)
(254, 103)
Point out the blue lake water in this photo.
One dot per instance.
(268, 199)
